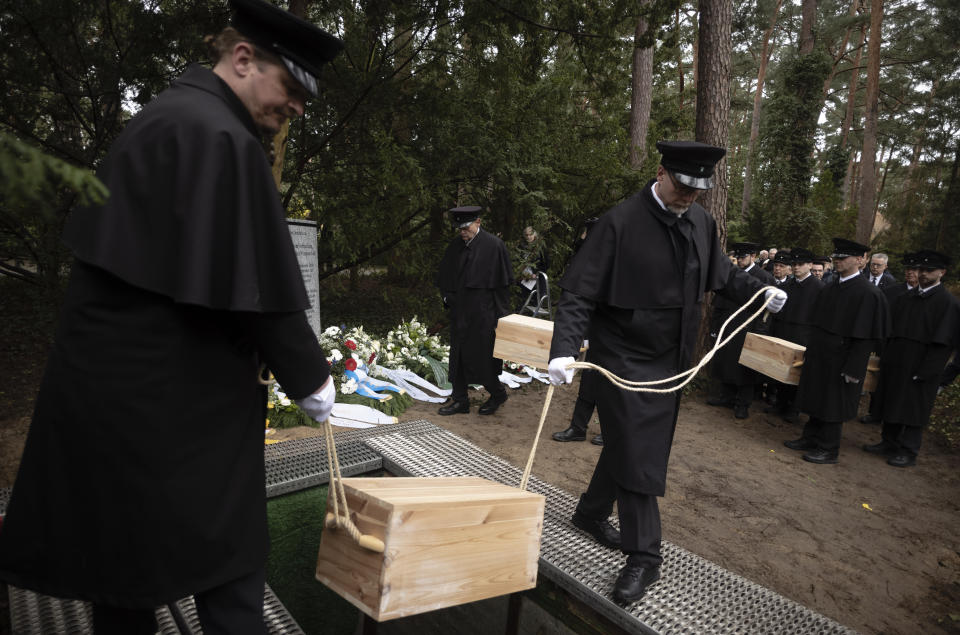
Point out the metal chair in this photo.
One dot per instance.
(538, 303)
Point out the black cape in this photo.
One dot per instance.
(474, 281)
(635, 288)
(726, 366)
(925, 330)
(793, 322)
(850, 319)
(142, 479)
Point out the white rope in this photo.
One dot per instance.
(643, 386)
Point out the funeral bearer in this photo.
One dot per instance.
(643, 327)
(926, 323)
(474, 280)
(142, 480)
(850, 319)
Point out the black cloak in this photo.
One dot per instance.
(793, 321)
(474, 281)
(142, 479)
(726, 366)
(925, 329)
(635, 289)
(850, 319)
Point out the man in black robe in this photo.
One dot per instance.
(926, 322)
(850, 318)
(891, 293)
(474, 280)
(142, 479)
(793, 323)
(737, 383)
(643, 328)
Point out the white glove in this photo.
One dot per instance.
(777, 298)
(558, 371)
(319, 405)
(850, 379)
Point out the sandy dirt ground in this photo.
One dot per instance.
(872, 546)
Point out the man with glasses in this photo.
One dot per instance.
(850, 319)
(474, 280)
(643, 327)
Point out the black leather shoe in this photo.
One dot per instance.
(570, 434)
(902, 460)
(454, 407)
(722, 403)
(490, 405)
(597, 440)
(741, 412)
(632, 583)
(800, 444)
(601, 530)
(821, 456)
(881, 448)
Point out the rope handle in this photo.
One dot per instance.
(644, 386)
(336, 520)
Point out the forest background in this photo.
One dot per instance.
(840, 118)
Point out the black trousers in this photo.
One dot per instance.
(232, 608)
(459, 380)
(740, 394)
(906, 439)
(639, 514)
(826, 434)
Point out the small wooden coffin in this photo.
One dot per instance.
(773, 357)
(873, 374)
(447, 541)
(524, 339)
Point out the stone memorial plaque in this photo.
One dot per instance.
(304, 236)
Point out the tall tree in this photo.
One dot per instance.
(868, 174)
(641, 94)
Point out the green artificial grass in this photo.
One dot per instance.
(296, 521)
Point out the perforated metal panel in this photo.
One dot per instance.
(693, 595)
(295, 465)
(4, 499)
(35, 614)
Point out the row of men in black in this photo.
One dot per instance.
(841, 324)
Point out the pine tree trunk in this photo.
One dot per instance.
(641, 96)
(868, 174)
(851, 107)
(713, 98)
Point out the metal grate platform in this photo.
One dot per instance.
(35, 614)
(693, 596)
(296, 465)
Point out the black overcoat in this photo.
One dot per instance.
(474, 281)
(632, 290)
(793, 321)
(925, 328)
(726, 366)
(850, 319)
(142, 479)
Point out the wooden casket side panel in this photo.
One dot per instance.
(440, 557)
(524, 340)
(773, 357)
(356, 574)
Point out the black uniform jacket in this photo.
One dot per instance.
(726, 364)
(850, 319)
(793, 321)
(142, 479)
(635, 289)
(474, 281)
(925, 328)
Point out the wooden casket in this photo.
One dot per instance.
(447, 541)
(773, 357)
(524, 340)
(873, 374)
